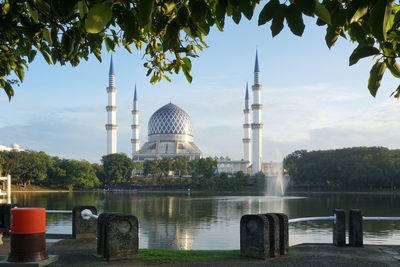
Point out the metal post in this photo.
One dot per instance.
(339, 228)
(355, 228)
(9, 189)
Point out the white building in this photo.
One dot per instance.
(170, 134)
(111, 108)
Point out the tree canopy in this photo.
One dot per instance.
(172, 31)
(348, 168)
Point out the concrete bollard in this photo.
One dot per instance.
(121, 240)
(254, 236)
(339, 228)
(355, 228)
(82, 228)
(101, 231)
(283, 233)
(5, 217)
(274, 246)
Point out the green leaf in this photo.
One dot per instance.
(168, 7)
(98, 17)
(332, 33)
(393, 66)
(187, 62)
(306, 6)
(267, 13)
(83, 9)
(198, 10)
(7, 88)
(277, 21)
(295, 20)
(46, 57)
(357, 9)
(19, 71)
(379, 18)
(236, 15)
(145, 10)
(167, 78)
(47, 36)
(322, 12)
(31, 55)
(396, 93)
(246, 8)
(182, 16)
(361, 52)
(375, 77)
(34, 13)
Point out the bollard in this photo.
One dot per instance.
(254, 236)
(101, 231)
(283, 233)
(274, 246)
(5, 217)
(355, 228)
(28, 235)
(339, 228)
(121, 240)
(83, 228)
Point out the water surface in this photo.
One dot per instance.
(199, 221)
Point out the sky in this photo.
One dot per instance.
(311, 98)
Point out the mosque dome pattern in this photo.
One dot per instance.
(170, 119)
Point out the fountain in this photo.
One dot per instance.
(276, 181)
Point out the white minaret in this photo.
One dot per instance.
(111, 125)
(257, 124)
(246, 128)
(135, 125)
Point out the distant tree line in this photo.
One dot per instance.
(38, 168)
(349, 168)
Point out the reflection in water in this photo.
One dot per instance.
(179, 221)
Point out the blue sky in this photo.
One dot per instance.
(312, 99)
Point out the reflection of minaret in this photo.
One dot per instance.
(111, 125)
(135, 126)
(257, 124)
(246, 128)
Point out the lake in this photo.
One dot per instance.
(201, 221)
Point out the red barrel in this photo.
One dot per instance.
(28, 235)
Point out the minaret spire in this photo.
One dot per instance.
(257, 124)
(246, 128)
(111, 108)
(135, 141)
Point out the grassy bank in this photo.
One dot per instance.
(169, 255)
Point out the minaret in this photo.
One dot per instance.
(257, 124)
(111, 125)
(246, 127)
(135, 125)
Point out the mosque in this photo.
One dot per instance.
(170, 131)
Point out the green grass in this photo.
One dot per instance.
(170, 255)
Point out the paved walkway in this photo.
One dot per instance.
(81, 253)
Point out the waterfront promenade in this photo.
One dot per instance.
(82, 253)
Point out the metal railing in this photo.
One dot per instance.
(381, 218)
(306, 219)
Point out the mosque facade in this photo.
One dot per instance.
(170, 131)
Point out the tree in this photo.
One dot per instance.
(151, 167)
(172, 31)
(206, 167)
(26, 166)
(76, 174)
(117, 168)
(166, 166)
(180, 165)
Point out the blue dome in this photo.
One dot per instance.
(170, 119)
